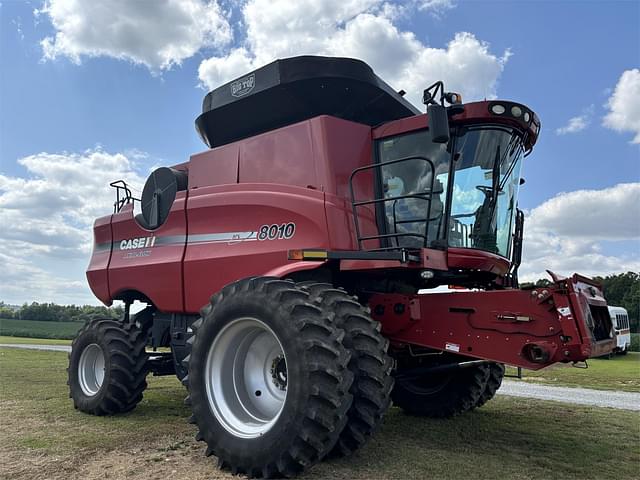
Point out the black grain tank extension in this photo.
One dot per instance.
(294, 89)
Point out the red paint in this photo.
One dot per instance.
(97, 275)
(482, 324)
(468, 258)
(210, 266)
(476, 112)
(158, 275)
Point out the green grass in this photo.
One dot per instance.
(43, 436)
(33, 341)
(622, 372)
(36, 329)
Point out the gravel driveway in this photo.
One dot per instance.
(53, 348)
(579, 396)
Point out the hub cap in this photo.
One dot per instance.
(246, 377)
(91, 369)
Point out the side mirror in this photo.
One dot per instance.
(438, 123)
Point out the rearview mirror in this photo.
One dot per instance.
(438, 123)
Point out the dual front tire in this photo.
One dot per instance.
(277, 376)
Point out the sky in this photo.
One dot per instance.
(96, 90)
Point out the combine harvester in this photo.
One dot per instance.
(282, 268)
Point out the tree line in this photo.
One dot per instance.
(51, 312)
(621, 290)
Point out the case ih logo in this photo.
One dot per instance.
(243, 86)
(133, 243)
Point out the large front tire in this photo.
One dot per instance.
(268, 379)
(107, 367)
(370, 364)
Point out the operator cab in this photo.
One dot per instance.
(483, 194)
(452, 183)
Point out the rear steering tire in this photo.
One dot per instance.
(107, 367)
(268, 378)
(441, 395)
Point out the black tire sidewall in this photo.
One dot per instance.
(263, 448)
(455, 395)
(86, 338)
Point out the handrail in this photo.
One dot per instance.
(126, 198)
(427, 196)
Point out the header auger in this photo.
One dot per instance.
(292, 268)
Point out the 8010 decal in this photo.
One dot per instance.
(275, 231)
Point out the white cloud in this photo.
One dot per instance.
(578, 123)
(363, 29)
(162, 34)
(624, 105)
(47, 219)
(23, 281)
(564, 234)
(158, 34)
(436, 7)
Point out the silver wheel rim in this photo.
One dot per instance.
(246, 378)
(91, 369)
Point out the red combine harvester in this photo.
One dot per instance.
(286, 266)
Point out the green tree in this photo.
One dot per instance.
(6, 311)
(51, 312)
(623, 290)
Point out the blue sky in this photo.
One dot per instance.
(81, 99)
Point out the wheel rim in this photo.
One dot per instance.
(91, 369)
(246, 377)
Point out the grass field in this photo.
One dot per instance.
(42, 436)
(622, 372)
(35, 329)
(35, 341)
(619, 373)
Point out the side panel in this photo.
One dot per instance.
(285, 156)
(531, 329)
(470, 259)
(236, 231)
(152, 264)
(97, 275)
(214, 167)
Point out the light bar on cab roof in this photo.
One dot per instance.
(518, 112)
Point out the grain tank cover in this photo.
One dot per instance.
(294, 89)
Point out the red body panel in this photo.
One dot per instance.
(97, 271)
(223, 243)
(156, 268)
(499, 325)
(477, 260)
